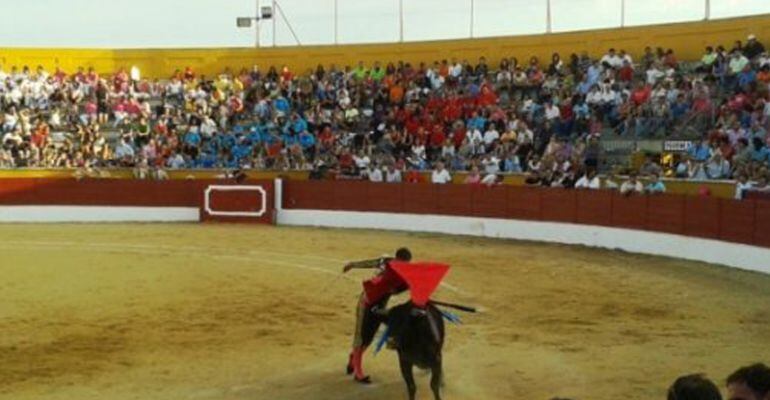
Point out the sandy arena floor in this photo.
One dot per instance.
(216, 312)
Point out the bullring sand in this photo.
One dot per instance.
(238, 312)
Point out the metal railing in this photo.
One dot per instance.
(332, 15)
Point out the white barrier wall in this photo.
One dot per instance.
(97, 214)
(711, 251)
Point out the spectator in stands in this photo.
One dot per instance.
(707, 61)
(656, 186)
(392, 175)
(417, 115)
(610, 182)
(440, 174)
(749, 383)
(589, 181)
(741, 186)
(761, 184)
(631, 186)
(375, 174)
(694, 387)
(718, 167)
(650, 167)
(492, 179)
(753, 47)
(473, 177)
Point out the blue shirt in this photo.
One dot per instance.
(300, 125)
(206, 160)
(281, 104)
(679, 109)
(699, 152)
(747, 77)
(477, 123)
(657, 187)
(192, 138)
(226, 140)
(306, 140)
(760, 155)
(581, 110)
(240, 151)
(592, 75)
(289, 140)
(253, 137)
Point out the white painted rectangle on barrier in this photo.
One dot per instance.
(44, 213)
(235, 188)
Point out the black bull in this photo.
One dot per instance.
(418, 335)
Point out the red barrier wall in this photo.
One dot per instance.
(729, 220)
(137, 193)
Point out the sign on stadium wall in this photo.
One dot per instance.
(677, 145)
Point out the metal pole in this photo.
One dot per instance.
(256, 22)
(288, 24)
(548, 16)
(708, 10)
(400, 20)
(336, 22)
(274, 23)
(622, 13)
(472, 7)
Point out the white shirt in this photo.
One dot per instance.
(613, 61)
(552, 112)
(361, 162)
(475, 136)
(375, 175)
(585, 183)
(441, 176)
(489, 180)
(740, 188)
(490, 136)
(653, 75)
(456, 70)
(628, 186)
(393, 177)
(491, 166)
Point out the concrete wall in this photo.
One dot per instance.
(50, 214)
(711, 251)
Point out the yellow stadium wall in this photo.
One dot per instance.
(687, 39)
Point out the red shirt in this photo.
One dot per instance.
(414, 177)
(384, 284)
(626, 74)
(437, 137)
(640, 96)
(458, 136)
(487, 97)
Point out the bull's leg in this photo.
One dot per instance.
(406, 372)
(437, 380)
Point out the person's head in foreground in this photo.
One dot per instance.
(403, 254)
(693, 387)
(749, 383)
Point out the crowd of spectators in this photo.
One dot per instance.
(541, 117)
(751, 382)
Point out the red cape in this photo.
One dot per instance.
(422, 278)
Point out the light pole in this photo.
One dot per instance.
(472, 7)
(622, 13)
(401, 21)
(263, 13)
